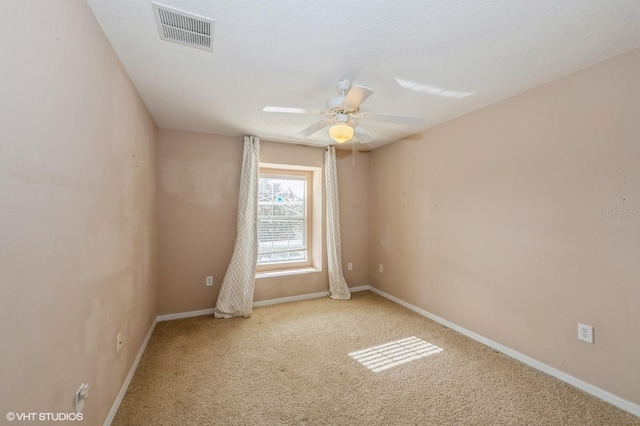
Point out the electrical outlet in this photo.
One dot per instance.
(380, 268)
(209, 282)
(118, 342)
(350, 266)
(585, 333)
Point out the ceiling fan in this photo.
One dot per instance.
(343, 115)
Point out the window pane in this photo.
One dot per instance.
(282, 222)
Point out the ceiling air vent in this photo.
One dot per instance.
(184, 28)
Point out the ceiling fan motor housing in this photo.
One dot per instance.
(342, 118)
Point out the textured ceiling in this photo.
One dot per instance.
(432, 59)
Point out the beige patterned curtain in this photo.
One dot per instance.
(338, 288)
(236, 294)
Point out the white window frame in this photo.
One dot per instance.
(308, 177)
(315, 216)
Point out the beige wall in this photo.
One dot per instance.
(497, 222)
(77, 227)
(353, 186)
(198, 182)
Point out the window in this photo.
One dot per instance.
(284, 219)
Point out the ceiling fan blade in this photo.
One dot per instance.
(355, 96)
(361, 134)
(290, 110)
(398, 119)
(314, 128)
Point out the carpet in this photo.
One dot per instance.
(366, 361)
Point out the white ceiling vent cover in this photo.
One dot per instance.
(183, 28)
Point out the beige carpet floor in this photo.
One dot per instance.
(289, 364)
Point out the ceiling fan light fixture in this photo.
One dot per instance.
(341, 132)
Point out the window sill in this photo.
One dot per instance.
(283, 272)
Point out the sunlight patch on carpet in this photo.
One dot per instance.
(383, 357)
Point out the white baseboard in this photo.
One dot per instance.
(290, 299)
(179, 315)
(612, 399)
(210, 311)
(169, 317)
(304, 297)
(127, 381)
